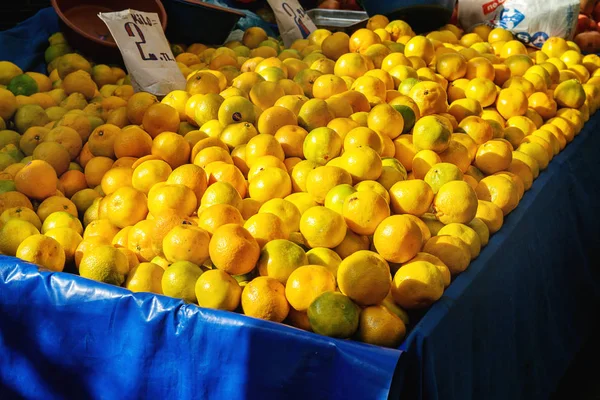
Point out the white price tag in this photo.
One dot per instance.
(292, 20)
(145, 50)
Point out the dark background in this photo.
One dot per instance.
(14, 11)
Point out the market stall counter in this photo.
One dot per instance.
(506, 328)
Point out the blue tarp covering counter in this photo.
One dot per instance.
(65, 336)
(505, 329)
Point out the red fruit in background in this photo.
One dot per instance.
(454, 18)
(583, 23)
(588, 42)
(331, 5)
(351, 5)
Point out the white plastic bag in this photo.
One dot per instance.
(292, 20)
(145, 50)
(532, 21)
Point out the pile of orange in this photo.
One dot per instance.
(331, 185)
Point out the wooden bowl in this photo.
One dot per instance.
(88, 34)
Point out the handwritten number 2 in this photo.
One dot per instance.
(129, 28)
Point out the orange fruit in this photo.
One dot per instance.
(501, 74)
(53, 204)
(163, 223)
(451, 66)
(213, 217)
(499, 190)
(511, 102)
(37, 180)
(69, 239)
(137, 106)
(223, 172)
(212, 154)
(101, 228)
(364, 210)
(407, 240)
(291, 138)
(306, 283)
(351, 64)
(362, 39)
(85, 156)
(172, 198)
(233, 249)
(13, 233)
(273, 118)
(102, 139)
(66, 137)
(451, 250)
(139, 240)
(235, 135)
(463, 108)
(430, 97)
(126, 207)
(14, 199)
(72, 182)
(336, 45)
(83, 199)
(132, 142)
(411, 197)
(192, 176)
(44, 251)
(543, 104)
(125, 162)
(85, 246)
(54, 154)
(264, 298)
(120, 239)
(421, 47)
(483, 90)
(95, 169)
(31, 138)
(480, 67)
(186, 243)
(116, 178)
(160, 118)
(405, 150)
(493, 156)
(62, 219)
(148, 173)
(557, 133)
(477, 128)
(172, 148)
(265, 227)
(270, 183)
(21, 213)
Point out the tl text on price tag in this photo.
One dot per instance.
(145, 51)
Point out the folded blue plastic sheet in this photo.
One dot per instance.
(508, 327)
(63, 336)
(26, 43)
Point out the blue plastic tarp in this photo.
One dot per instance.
(26, 43)
(63, 336)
